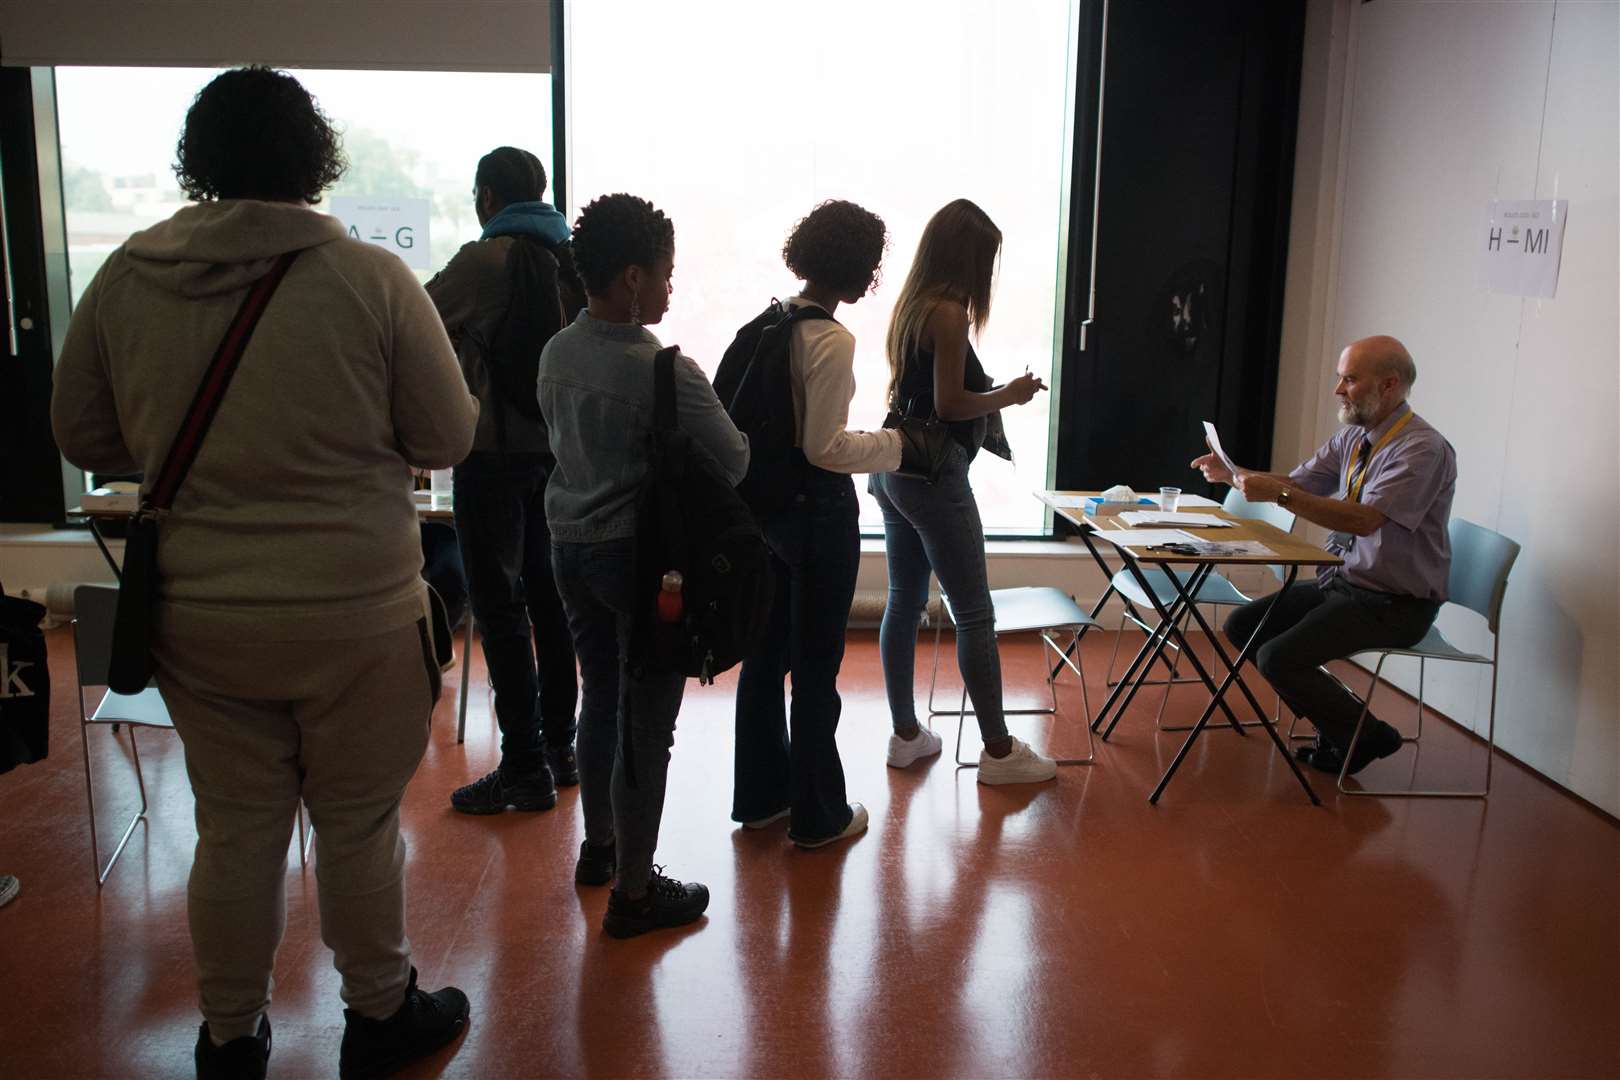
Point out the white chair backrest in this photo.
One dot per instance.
(93, 610)
(1480, 562)
(1272, 514)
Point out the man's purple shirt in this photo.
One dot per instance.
(1410, 481)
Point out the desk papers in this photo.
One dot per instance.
(1144, 537)
(1189, 499)
(1066, 502)
(1162, 517)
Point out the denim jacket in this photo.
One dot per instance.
(596, 393)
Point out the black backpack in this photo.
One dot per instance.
(539, 280)
(690, 520)
(754, 383)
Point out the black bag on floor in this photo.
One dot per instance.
(25, 683)
(130, 667)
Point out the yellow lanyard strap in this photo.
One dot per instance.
(1355, 476)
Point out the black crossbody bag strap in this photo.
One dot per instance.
(205, 403)
(130, 665)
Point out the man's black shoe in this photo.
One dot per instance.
(498, 791)
(595, 865)
(667, 903)
(1379, 742)
(423, 1023)
(245, 1058)
(1320, 755)
(564, 766)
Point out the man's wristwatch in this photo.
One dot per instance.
(1283, 496)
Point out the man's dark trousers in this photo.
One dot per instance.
(506, 548)
(1316, 623)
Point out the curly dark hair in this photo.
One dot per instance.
(255, 133)
(616, 231)
(838, 245)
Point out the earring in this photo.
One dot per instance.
(635, 309)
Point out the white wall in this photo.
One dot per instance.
(1414, 114)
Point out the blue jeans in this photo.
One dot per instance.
(936, 528)
(506, 549)
(597, 585)
(815, 551)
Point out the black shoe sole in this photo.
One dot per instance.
(629, 928)
(481, 811)
(374, 1070)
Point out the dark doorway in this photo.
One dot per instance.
(1200, 106)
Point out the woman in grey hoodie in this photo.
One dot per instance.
(290, 641)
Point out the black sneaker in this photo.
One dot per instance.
(564, 765)
(498, 791)
(667, 903)
(245, 1058)
(595, 865)
(423, 1023)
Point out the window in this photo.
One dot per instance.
(736, 118)
(408, 134)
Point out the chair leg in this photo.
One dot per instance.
(961, 720)
(1361, 721)
(1077, 665)
(933, 678)
(466, 681)
(305, 838)
(102, 872)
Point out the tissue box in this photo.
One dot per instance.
(1096, 504)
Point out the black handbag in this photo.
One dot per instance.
(25, 683)
(130, 666)
(924, 445)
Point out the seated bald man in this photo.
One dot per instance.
(1383, 485)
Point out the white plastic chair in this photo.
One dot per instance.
(1480, 561)
(1041, 609)
(93, 610)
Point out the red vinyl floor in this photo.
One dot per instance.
(1063, 930)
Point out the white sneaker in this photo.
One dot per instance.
(767, 822)
(857, 825)
(1022, 765)
(903, 752)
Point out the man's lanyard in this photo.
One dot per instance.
(1355, 475)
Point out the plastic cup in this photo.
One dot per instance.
(1169, 499)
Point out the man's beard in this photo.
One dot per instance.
(1355, 412)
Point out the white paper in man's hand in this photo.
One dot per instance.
(1214, 440)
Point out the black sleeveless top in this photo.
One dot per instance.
(914, 396)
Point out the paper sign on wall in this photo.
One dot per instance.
(400, 225)
(1522, 243)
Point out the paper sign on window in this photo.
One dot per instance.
(1522, 243)
(400, 225)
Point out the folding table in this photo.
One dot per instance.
(1282, 550)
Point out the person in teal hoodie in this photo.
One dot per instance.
(502, 297)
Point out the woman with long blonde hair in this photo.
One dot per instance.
(934, 527)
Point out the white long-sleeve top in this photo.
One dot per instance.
(821, 363)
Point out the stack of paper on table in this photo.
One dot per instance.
(1163, 517)
(1144, 537)
(1188, 499)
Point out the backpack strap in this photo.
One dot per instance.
(664, 389)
